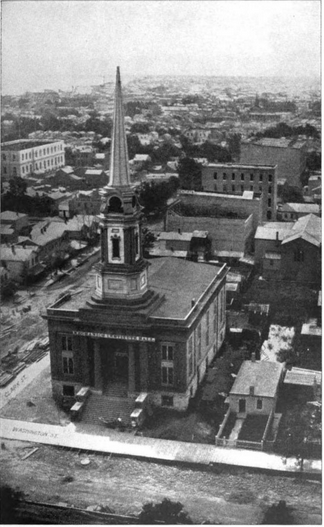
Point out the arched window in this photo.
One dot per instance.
(115, 247)
(115, 205)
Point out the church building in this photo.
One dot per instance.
(143, 326)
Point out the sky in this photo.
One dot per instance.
(58, 44)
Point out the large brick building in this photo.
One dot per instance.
(142, 327)
(289, 155)
(24, 157)
(239, 178)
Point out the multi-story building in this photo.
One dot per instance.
(24, 157)
(142, 328)
(236, 179)
(289, 155)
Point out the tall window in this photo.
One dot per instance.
(215, 175)
(215, 315)
(207, 328)
(190, 356)
(198, 339)
(242, 177)
(115, 247)
(233, 176)
(298, 255)
(269, 202)
(67, 355)
(251, 177)
(270, 177)
(136, 243)
(167, 352)
(66, 343)
(224, 175)
(167, 365)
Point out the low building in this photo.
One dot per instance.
(16, 221)
(139, 160)
(294, 211)
(290, 251)
(24, 157)
(21, 263)
(230, 222)
(85, 202)
(255, 389)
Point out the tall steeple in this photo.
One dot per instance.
(119, 167)
(122, 272)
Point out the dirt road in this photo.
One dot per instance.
(229, 497)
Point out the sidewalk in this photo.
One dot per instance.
(22, 380)
(80, 437)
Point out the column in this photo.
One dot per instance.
(97, 366)
(144, 366)
(131, 368)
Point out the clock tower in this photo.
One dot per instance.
(122, 271)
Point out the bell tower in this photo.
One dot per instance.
(122, 271)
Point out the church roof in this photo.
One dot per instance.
(181, 282)
(119, 164)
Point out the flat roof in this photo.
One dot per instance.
(240, 166)
(303, 377)
(25, 145)
(180, 281)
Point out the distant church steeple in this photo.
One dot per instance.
(122, 272)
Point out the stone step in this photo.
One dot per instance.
(109, 408)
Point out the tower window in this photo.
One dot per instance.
(136, 243)
(115, 247)
(115, 205)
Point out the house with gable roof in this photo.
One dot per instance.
(290, 251)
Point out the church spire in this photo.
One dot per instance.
(119, 166)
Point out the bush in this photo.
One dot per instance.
(169, 512)
(278, 514)
(9, 499)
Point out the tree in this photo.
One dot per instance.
(154, 196)
(9, 499)
(314, 160)
(169, 512)
(290, 194)
(17, 186)
(148, 238)
(278, 514)
(189, 174)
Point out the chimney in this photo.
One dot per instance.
(251, 390)
(277, 236)
(193, 302)
(253, 356)
(179, 231)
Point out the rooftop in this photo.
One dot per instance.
(262, 375)
(241, 166)
(9, 215)
(308, 228)
(180, 281)
(24, 145)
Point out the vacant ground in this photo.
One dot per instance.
(124, 484)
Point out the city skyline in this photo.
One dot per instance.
(56, 45)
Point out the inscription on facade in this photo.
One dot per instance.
(112, 336)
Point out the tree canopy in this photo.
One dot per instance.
(189, 174)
